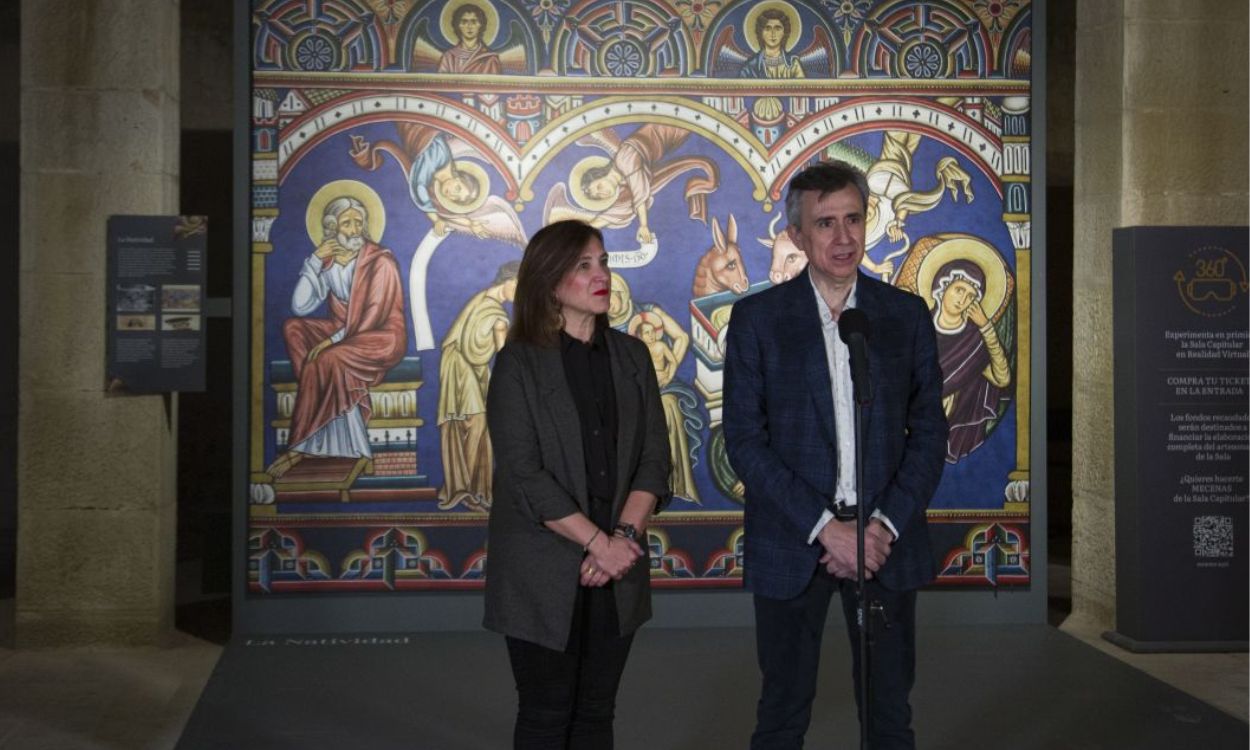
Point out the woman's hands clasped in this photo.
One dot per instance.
(608, 558)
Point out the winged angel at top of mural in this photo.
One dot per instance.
(472, 27)
(771, 31)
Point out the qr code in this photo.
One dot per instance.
(1213, 536)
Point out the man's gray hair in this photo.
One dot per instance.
(334, 209)
(825, 177)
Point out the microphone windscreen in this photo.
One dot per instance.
(851, 322)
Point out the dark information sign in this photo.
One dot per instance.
(1182, 437)
(155, 299)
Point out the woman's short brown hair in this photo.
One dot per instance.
(550, 254)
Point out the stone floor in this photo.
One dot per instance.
(68, 699)
(100, 698)
(1217, 679)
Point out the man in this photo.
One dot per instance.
(789, 430)
(473, 339)
(336, 359)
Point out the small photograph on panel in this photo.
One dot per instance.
(180, 322)
(136, 298)
(180, 297)
(136, 322)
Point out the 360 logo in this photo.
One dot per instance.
(1213, 282)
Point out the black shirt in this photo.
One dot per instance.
(588, 370)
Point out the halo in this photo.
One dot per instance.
(474, 170)
(620, 285)
(575, 183)
(748, 24)
(490, 27)
(337, 189)
(619, 282)
(973, 249)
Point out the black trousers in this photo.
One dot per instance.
(567, 699)
(788, 637)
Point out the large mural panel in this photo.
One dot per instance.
(402, 152)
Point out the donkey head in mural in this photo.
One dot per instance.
(721, 266)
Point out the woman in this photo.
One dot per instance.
(582, 462)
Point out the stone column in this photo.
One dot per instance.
(96, 484)
(1161, 139)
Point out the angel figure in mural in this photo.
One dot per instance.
(771, 31)
(443, 182)
(969, 289)
(451, 189)
(668, 343)
(614, 190)
(472, 340)
(470, 54)
(471, 26)
(337, 358)
(892, 200)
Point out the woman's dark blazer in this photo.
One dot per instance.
(532, 572)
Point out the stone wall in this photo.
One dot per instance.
(99, 136)
(1160, 139)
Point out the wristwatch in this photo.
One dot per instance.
(626, 530)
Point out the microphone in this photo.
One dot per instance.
(853, 329)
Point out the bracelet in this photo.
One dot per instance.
(626, 531)
(593, 537)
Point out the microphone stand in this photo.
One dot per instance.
(853, 329)
(863, 608)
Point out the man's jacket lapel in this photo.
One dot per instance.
(802, 323)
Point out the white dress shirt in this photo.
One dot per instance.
(838, 358)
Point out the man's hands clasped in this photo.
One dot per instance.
(838, 540)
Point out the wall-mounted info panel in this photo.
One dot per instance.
(155, 304)
(1182, 389)
(454, 130)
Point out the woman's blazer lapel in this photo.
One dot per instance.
(557, 402)
(627, 382)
